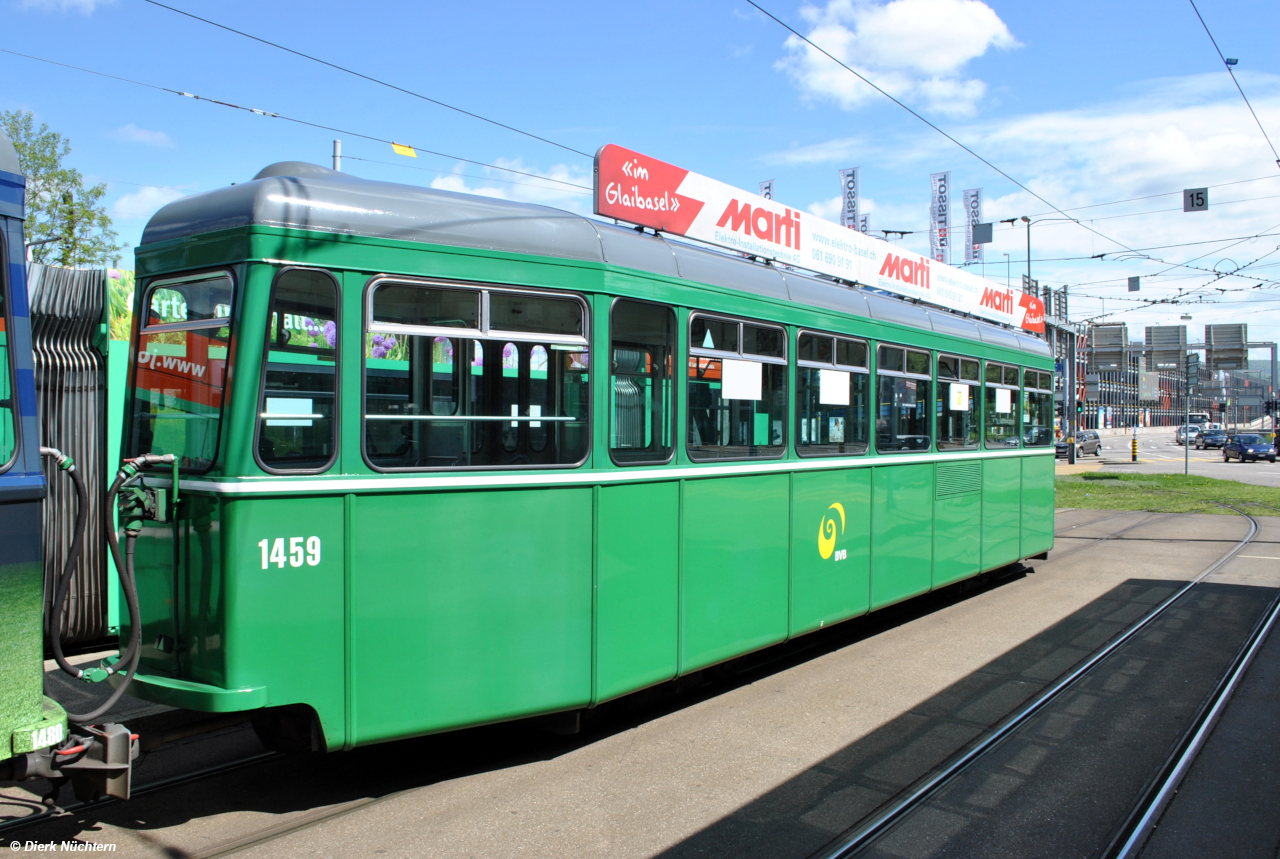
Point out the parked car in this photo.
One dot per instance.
(1211, 438)
(1086, 441)
(1247, 446)
(1183, 432)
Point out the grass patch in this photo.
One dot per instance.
(1165, 493)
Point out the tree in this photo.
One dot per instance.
(59, 206)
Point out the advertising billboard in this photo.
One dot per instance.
(651, 193)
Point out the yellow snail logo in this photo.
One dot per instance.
(827, 531)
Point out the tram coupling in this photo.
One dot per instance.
(96, 759)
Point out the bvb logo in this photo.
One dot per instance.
(827, 531)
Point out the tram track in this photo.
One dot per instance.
(1145, 812)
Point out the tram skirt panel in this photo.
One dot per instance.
(1001, 511)
(468, 607)
(734, 580)
(957, 521)
(637, 590)
(1037, 505)
(830, 547)
(901, 532)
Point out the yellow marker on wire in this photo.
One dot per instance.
(401, 149)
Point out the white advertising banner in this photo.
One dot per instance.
(766, 189)
(940, 218)
(642, 190)
(850, 191)
(972, 217)
(864, 225)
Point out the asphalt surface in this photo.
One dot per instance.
(775, 760)
(1160, 454)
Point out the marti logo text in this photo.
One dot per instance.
(902, 268)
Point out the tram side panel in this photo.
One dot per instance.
(830, 547)
(901, 532)
(1037, 505)
(637, 586)
(957, 521)
(1001, 511)
(468, 607)
(734, 569)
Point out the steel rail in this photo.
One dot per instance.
(864, 834)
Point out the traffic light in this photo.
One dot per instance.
(1079, 407)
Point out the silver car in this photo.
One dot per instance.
(1192, 430)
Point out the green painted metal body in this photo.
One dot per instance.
(443, 600)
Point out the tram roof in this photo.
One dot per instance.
(299, 195)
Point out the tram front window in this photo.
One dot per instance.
(296, 416)
(509, 389)
(180, 369)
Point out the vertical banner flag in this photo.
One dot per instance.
(864, 224)
(972, 216)
(766, 189)
(849, 192)
(940, 218)
(648, 192)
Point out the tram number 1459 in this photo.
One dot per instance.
(273, 551)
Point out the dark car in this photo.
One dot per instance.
(1087, 441)
(1247, 446)
(1211, 438)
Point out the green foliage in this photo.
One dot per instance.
(1165, 493)
(120, 303)
(58, 203)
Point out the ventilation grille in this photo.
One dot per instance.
(959, 478)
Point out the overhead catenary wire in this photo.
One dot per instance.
(273, 115)
(371, 79)
(1231, 72)
(949, 137)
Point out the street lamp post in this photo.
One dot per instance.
(1186, 401)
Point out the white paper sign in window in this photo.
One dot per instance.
(833, 388)
(1004, 400)
(301, 412)
(741, 380)
(959, 398)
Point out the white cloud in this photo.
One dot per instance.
(133, 134)
(144, 202)
(1172, 134)
(915, 50)
(85, 7)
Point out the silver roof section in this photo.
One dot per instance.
(306, 196)
(8, 155)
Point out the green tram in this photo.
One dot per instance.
(450, 460)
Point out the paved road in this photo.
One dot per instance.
(1159, 454)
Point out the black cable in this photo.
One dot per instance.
(280, 116)
(133, 652)
(370, 79)
(1231, 72)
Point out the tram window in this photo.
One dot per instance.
(642, 351)
(297, 424)
(1037, 409)
(737, 403)
(181, 369)
(429, 307)
(1000, 406)
(833, 396)
(957, 405)
(8, 424)
(516, 395)
(902, 400)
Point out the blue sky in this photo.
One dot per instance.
(1085, 103)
